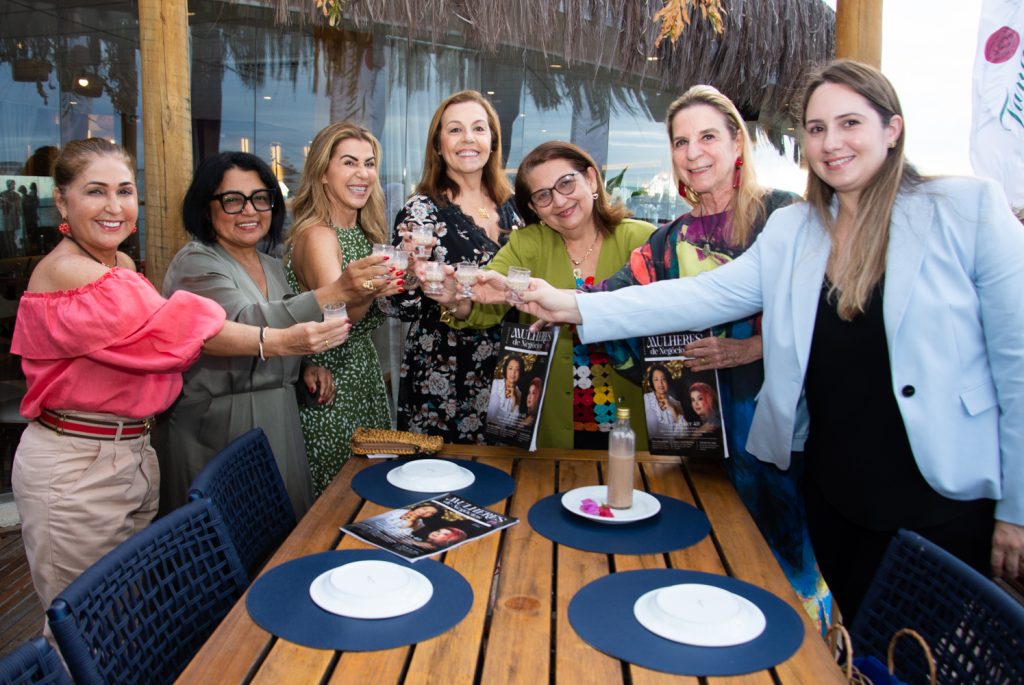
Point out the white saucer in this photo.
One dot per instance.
(431, 475)
(644, 505)
(701, 615)
(371, 589)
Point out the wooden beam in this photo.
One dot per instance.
(166, 127)
(859, 31)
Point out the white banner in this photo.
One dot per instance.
(997, 123)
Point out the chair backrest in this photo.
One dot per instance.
(975, 629)
(33, 663)
(244, 482)
(140, 613)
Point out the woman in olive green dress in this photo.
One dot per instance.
(338, 214)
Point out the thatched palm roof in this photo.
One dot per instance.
(758, 61)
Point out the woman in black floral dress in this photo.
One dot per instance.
(465, 197)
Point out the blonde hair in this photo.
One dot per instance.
(311, 206)
(748, 201)
(856, 271)
(434, 181)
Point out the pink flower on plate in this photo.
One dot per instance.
(593, 508)
(1001, 45)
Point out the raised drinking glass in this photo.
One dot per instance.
(518, 280)
(433, 272)
(422, 237)
(465, 274)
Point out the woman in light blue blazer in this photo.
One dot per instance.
(893, 340)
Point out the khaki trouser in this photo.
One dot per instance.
(78, 499)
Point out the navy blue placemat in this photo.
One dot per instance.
(279, 602)
(676, 526)
(602, 614)
(491, 485)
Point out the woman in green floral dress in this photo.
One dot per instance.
(338, 214)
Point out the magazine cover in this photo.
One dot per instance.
(681, 405)
(429, 527)
(517, 393)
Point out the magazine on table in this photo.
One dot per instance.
(682, 406)
(429, 527)
(517, 391)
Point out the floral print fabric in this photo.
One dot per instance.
(446, 374)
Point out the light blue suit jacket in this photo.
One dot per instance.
(953, 307)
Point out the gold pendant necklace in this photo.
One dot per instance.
(484, 214)
(577, 262)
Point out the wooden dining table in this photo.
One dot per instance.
(517, 630)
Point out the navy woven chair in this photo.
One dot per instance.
(35, 663)
(244, 482)
(975, 629)
(140, 613)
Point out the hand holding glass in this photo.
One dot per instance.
(433, 272)
(465, 274)
(422, 237)
(518, 280)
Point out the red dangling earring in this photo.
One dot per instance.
(736, 174)
(682, 190)
(135, 229)
(64, 228)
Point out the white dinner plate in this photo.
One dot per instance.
(589, 501)
(701, 615)
(431, 475)
(371, 589)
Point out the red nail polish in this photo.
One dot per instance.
(401, 282)
(401, 290)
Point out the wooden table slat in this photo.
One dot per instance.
(576, 568)
(452, 657)
(519, 643)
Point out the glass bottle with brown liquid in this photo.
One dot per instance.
(621, 458)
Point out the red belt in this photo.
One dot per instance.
(63, 423)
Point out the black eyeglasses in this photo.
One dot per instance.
(565, 185)
(234, 202)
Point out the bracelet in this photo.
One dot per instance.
(263, 339)
(447, 314)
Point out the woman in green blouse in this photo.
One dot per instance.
(575, 235)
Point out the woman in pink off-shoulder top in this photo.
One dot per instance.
(102, 353)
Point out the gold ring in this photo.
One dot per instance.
(368, 285)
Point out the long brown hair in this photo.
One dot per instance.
(435, 182)
(607, 214)
(858, 269)
(311, 206)
(748, 200)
